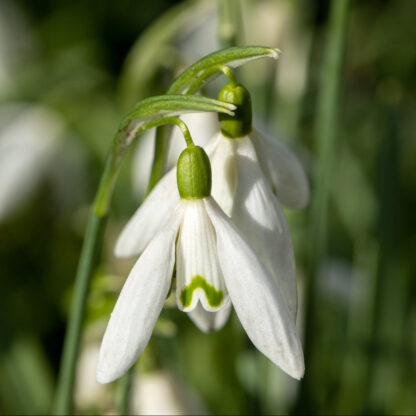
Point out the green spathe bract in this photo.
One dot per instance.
(240, 124)
(213, 295)
(194, 173)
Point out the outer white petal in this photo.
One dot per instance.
(222, 158)
(149, 218)
(139, 304)
(198, 274)
(258, 215)
(283, 170)
(210, 321)
(256, 298)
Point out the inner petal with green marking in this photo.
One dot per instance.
(213, 296)
(199, 278)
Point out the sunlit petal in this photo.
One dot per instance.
(256, 298)
(139, 304)
(258, 215)
(149, 218)
(223, 172)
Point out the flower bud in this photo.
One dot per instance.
(238, 125)
(194, 173)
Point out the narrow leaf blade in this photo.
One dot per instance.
(232, 57)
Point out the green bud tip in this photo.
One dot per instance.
(238, 125)
(194, 173)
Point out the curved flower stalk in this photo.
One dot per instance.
(201, 125)
(215, 267)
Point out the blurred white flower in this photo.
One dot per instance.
(161, 393)
(201, 126)
(214, 266)
(29, 136)
(88, 393)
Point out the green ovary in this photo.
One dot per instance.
(213, 295)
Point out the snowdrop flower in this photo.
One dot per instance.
(248, 172)
(215, 267)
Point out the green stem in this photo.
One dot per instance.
(202, 79)
(161, 150)
(325, 134)
(89, 258)
(179, 123)
(123, 393)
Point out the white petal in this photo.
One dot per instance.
(223, 172)
(256, 298)
(139, 304)
(258, 215)
(210, 321)
(198, 275)
(149, 218)
(283, 170)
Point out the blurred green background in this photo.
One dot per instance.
(70, 70)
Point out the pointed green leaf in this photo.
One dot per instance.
(232, 57)
(175, 104)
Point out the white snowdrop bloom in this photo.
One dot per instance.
(202, 126)
(245, 194)
(251, 175)
(215, 267)
(29, 136)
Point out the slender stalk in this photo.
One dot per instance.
(202, 79)
(88, 260)
(326, 135)
(326, 121)
(123, 393)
